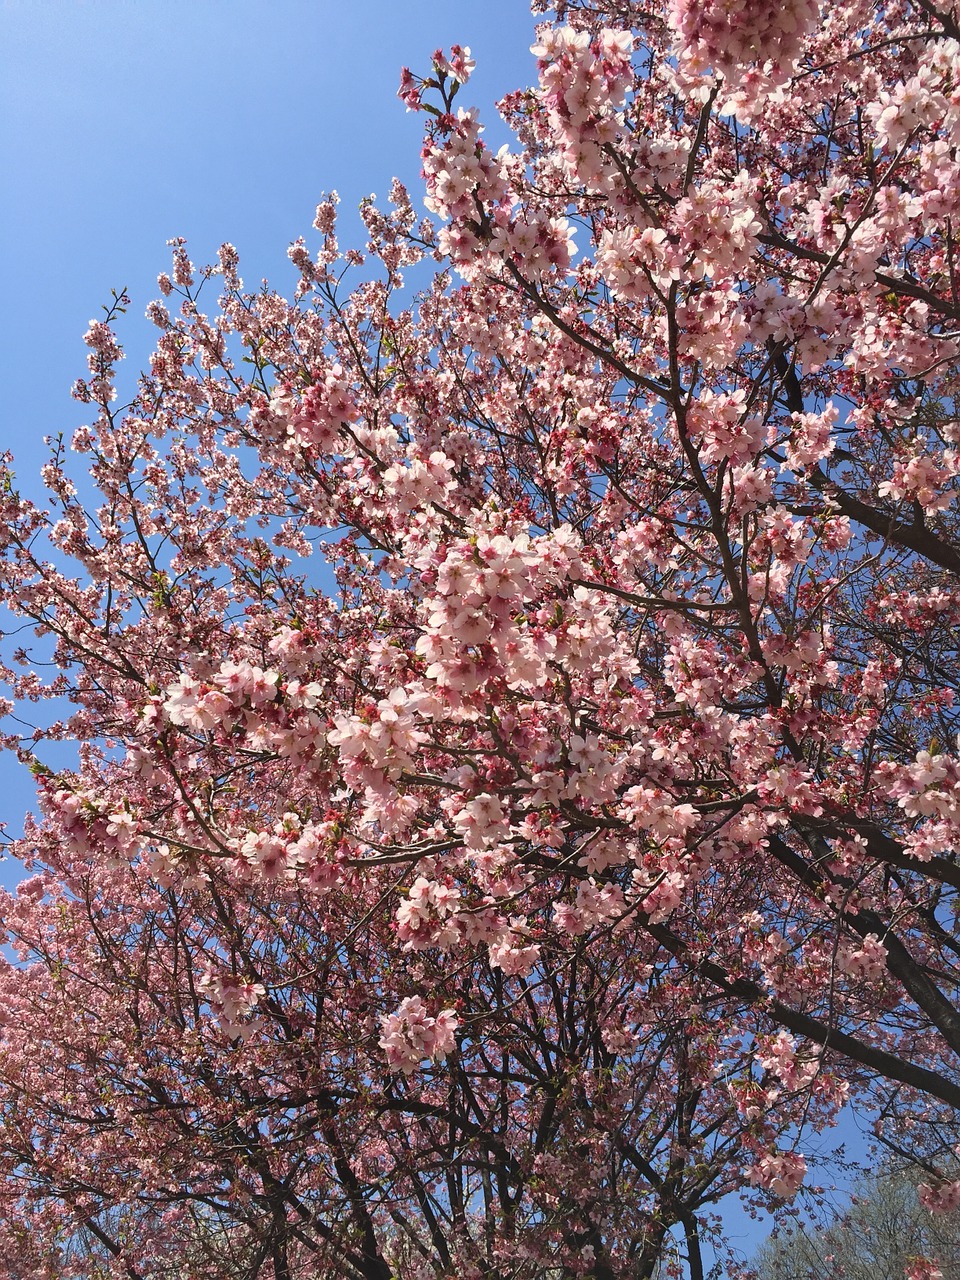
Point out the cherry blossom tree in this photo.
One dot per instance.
(195, 1087)
(575, 637)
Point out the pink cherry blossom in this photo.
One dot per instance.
(503, 714)
(411, 1035)
(780, 1172)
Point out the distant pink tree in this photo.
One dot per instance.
(465, 681)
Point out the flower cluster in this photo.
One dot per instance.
(730, 36)
(943, 1198)
(781, 1172)
(231, 1002)
(411, 1035)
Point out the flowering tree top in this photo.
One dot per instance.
(633, 631)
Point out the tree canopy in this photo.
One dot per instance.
(518, 792)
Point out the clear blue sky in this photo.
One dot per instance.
(124, 123)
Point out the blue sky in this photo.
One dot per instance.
(128, 122)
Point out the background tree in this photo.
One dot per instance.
(879, 1236)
